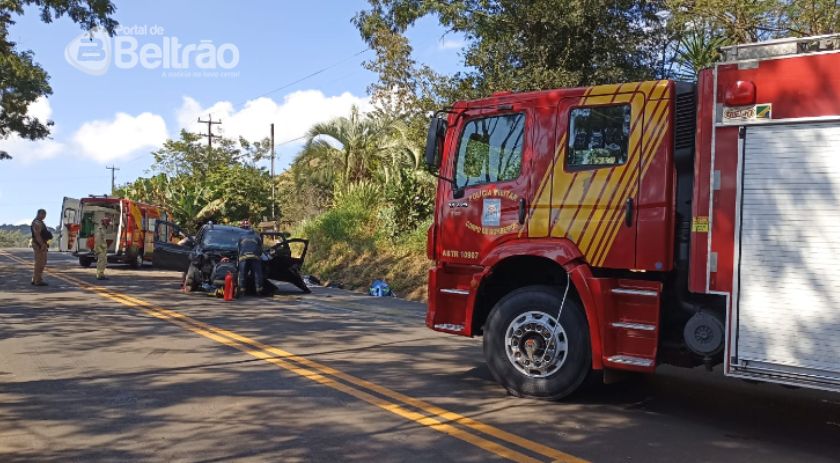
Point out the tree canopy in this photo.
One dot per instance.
(199, 183)
(523, 45)
(22, 80)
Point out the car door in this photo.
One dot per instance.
(68, 229)
(167, 254)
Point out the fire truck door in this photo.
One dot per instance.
(68, 229)
(595, 183)
(488, 198)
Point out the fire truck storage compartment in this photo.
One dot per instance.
(92, 214)
(787, 305)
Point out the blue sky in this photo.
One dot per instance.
(120, 116)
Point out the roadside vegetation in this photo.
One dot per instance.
(17, 236)
(13, 238)
(358, 188)
(374, 205)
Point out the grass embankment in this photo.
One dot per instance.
(349, 245)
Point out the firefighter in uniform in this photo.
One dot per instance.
(250, 250)
(40, 244)
(101, 247)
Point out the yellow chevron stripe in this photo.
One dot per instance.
(562, 182)
(614, 233)
(652, 111)
(594, 198)
(538, 223)
(566, 218)
(650, 148)
(624, 186)
(574, 200)
(655, 133)
(658, 90)
(593, 230)
(595, 233)
(607, 89)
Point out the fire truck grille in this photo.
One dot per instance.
(685, 121)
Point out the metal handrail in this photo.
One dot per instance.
(781, 47)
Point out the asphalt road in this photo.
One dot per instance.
(133, 370)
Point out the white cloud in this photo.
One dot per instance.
(292, 116)
(40, 109)
(451, 44)
(27, 151)
(107, 140)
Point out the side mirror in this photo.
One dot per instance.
(434, 142)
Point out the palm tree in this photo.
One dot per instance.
(346, 150)
(699, 50)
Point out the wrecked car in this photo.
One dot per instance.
(205, 259)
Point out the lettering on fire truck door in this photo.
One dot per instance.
(602, 147)
(489, 162)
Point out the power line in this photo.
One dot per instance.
(292, 140)
(308, 76)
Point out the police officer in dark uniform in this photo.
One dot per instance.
(250, 250)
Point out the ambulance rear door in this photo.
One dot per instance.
(120, 240)
(68, 229)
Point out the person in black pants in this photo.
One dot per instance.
(250, 250)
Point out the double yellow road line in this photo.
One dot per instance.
(418, 411)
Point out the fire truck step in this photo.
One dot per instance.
(634, 326)
(630, 360)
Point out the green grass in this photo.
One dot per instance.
(350, 245)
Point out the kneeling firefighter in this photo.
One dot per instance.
(250, 250)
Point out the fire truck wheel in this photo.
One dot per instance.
(85, 262)
(529, 353)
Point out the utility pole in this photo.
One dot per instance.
(273, 199)
(210, 123)
(113, 185)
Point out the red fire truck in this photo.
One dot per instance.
(619, 227)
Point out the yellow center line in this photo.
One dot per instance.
(322, 373)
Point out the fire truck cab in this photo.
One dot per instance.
(619, 227)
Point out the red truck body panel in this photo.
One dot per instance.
(797, 87)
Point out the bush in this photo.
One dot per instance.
(411, 203)
(348, 245)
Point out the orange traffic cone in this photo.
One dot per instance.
(228, 287)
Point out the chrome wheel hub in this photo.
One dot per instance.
(536, 344)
